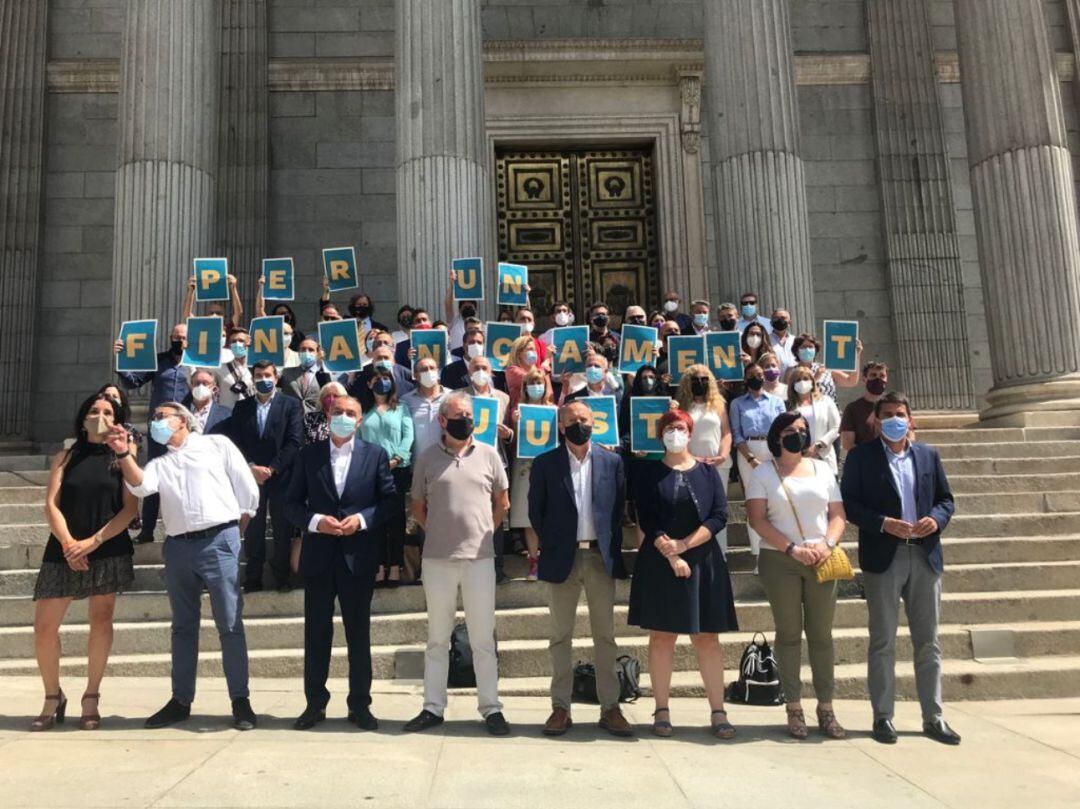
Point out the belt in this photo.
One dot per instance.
(586, 544)
(205, 533)
(914, 541)
(757, 438)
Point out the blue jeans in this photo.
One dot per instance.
(213, 563)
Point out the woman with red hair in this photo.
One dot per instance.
(681, 584)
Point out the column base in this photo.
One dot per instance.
(1053, 403)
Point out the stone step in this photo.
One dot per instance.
(531, 658)
(1004, 450)
(947, 419)
(22, 463)
(1012, 466)
(997, 435)
(1036, 678)
(39, 478)
(1010, 483)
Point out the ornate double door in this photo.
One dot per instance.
(584, 224)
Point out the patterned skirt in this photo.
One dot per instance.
(105, 576)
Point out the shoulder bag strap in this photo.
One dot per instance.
(791, 502)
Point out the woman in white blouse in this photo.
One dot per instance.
(710, 442)
(794, 503)
(805, 397)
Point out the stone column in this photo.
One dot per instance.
(23, 31)
(1025, 206)
(762, 240)
(243, 174)
(923, 250)
(444, 207)
(165, 183)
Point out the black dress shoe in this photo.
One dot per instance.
(253, 586)
(884, 731)
(243, 716)
(496, 724)
(309, 718)
(425, 720)
(939, 731)
(143, 539)
(284, 587)
(363, 719)
(173, 712)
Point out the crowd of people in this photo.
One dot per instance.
(374, 479)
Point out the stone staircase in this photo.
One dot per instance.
(1012, 557)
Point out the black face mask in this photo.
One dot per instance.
(459, 429)
(578, 433)
(699, 387)
(176, 346)
(405, 321)
(648, 383)
(796, 442)
(780, 324)
(636, 321)
(875, 387)
(727, 324)
(755, 383)
(468, 311)
(600, 321)
(360, 311)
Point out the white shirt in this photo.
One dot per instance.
(204, 482)
(810, 496)
(783, 352)
(581, 478)
(226, 379)
(425, 418)
(340, 461)
(455, 333)
(204, 413)
(708, 432)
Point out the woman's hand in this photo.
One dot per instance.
(666, 545)
(680, 567)
(394, 462)
(81, 548)
(79, 563)
(805, 554)
(504, 433)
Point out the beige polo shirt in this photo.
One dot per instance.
(458, 490)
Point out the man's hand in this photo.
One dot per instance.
(330, 525)
(118, 346)
(261, 473)
(393, 463)
(925, 527)
(898, 528)
(453, 276)
(232, 281)
(191, 283)
(117, 439)
(504, 433)
(350, 525)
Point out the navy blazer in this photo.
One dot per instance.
(369, 492)
(870, 495)
(553, 512)
(216, 419)
(281, 439)
(654, 497)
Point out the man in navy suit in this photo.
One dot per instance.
(896, 492)
(203, 404)
(268, 429)
(341, 493)
(576, 498)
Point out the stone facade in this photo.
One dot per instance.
(332, 153)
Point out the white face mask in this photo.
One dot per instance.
(429, 379)
(474, 350)
(753, 341)
(480, 379)
(803, 387)
(671, 306)
(676, 440)
(526, 326)
(200, 393)
(562, 318)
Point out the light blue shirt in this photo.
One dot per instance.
(750, 416)
(742, 323)
(902, 469)
(262, 410)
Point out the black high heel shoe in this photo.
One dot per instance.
(46, 721)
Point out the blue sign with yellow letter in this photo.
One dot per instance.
(645, 413)
(211, 279)
(429, 343)
(682, 352)
(267, 340)
(498, 340)
(636, 347)
(723, 353)
(513, 278)
(841, 337)
(341, 345)
(486, 420)
(468, 279)
(339, 264)
(538, 430)
(278, 279)
(568, 343)
(203, 342)
(605, 428)
(138, 350)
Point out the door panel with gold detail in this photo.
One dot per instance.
(584, 224)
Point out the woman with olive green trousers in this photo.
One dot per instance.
(794, 504)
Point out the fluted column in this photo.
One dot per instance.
(22, 113)
(925, 278)
(165, 183)
(243, 177)
(762, 241)
(1025, 206)
(444, 205)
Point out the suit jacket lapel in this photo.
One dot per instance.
(564, 473)
(326, 472)
(358, 459)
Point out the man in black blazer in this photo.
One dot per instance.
(341, 493)
(576, 498)
(202, 402)
(896, 492)
(269, 430)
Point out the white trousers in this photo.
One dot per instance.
(760, 450)
(476, 578)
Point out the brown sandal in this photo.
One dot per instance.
(90, 721)
(722, 729)
(826, 720)
(796, 724)
(47, 720)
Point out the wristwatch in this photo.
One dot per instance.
(830, 543)
(790, 549)
(121, 455)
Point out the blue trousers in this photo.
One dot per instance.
(191, 565)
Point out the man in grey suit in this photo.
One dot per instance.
(304, 381)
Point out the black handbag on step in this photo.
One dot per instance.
(759, 676)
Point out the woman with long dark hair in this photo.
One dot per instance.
(88, 555)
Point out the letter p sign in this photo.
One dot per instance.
(211, 279)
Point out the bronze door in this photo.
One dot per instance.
(583, 222)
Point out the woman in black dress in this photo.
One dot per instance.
(681, 583)
(88, 555)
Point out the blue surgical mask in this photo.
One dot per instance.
(594, 374)
(307, 359)
(239, 350)
(807, 354)
(383, 386)
(749, 310)
(701, 319)
(342, 425)
(385, 364)
(535, 391)
(895, 428)
(530, 357)
(161, 431)
(264, 386)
